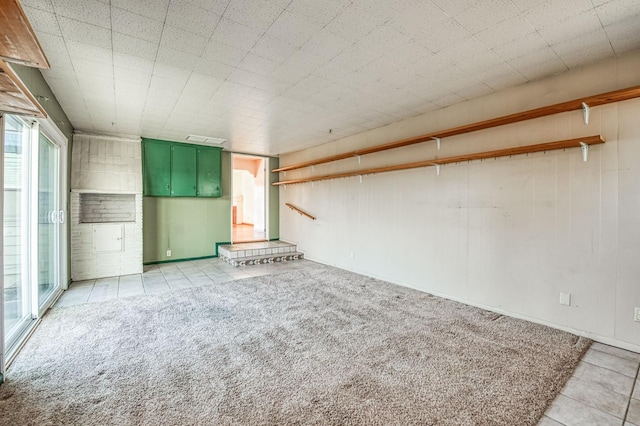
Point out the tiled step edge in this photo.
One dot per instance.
(272, 251)
(261, 260)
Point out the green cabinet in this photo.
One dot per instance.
(183, 171)
(157, 169)
(173, 169)
(209, 184)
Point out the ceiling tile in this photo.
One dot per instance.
(191, 18)
(485, 14)
(177, 58)
(623, 35)
(134, 46)
(134, 63)
(213, 68)
(320, 12)
(86, 33)
(224, 53)
(42, 21)
(270, 48)
(439, 37)
(618, 10)
(578, 25)
(257, 64)
(216, 6)
(88, 11)
(79, 50)
(180, 39)
(154, 9)
(135, 25)
(46, 6)
(257, 14)
(235, 34)
(551, 13)
(292, 29)
(326, 44)
(520, 46)
(353, 23)
(505, 31)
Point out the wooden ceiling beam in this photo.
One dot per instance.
(18, 41)
(591, 101)
(15, 97)
(549, 146)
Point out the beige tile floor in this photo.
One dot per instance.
(604, 389)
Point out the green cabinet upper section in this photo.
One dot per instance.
(173, 169)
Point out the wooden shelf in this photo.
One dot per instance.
(18, 41)
(15, 98)
(549, 146)
(591, 101)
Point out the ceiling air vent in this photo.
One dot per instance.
(205, 140)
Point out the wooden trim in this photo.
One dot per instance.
(549, 146)
(591, 101)
(15, 97)
(302, 212)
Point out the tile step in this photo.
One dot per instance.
(263, 259)
(243, 250)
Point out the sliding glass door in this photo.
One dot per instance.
(32, 226)
(17, 291)
(48, 220)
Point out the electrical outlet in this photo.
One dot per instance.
(565, 299)
(168, 253)
(351, 255)
(636, 314)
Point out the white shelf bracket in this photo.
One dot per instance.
(313, 169)
(585, 151)
(359, 159)
(437, 142)
(437, 168)
(585, 112)
(360, 176)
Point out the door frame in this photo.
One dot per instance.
(48, 128)
(265, 166)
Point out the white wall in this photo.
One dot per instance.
(507, 234)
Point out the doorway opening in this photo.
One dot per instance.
(249, 213)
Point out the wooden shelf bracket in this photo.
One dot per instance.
(585, 151)
(585, 112)
(437, 142)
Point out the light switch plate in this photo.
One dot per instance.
(565, 299)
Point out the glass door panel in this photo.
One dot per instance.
(17, 295)
(48, 219)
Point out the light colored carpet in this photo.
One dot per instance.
(321, 346)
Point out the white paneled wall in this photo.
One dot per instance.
(508, 234)
(105, 165)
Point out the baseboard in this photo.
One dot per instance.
(157, 262)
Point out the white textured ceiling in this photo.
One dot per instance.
(274, 76)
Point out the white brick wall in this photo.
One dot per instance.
(103, 208)
(105, 165)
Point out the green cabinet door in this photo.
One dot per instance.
(157, 169)
(209, 172)
(183, 170)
